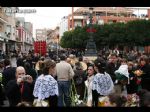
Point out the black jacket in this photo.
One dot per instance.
(14, 94)
(111, 68)
(145, 82)
(8, 74)
(132, 87)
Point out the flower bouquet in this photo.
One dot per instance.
(138, 73)
(1, 80)
(0, 77)
(103, 101)
(132, 100)
(74, 96)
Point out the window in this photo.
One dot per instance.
(8, 11)
(17, 33)
(8, 29)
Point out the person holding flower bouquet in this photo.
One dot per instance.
(143, 74)
(138, 75)
(131, 86)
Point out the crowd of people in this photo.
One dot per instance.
(114, 79)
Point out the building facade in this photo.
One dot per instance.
(63, 26)
(8, 29)
(3, 23)
(24, 35)
(53, 38)
(41, 34)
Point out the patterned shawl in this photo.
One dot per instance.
(103, 84)
(45, 86)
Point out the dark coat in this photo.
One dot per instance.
(31, 72)
(8, 74)
(20, 62)
(132, 86)
(79, 79)
(110, 69)
(13, 92)
(145, 82)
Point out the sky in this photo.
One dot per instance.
(45, 17)
(49, 17)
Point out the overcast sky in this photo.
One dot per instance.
(45, 17)
(49, 17)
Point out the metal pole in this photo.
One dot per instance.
(91, 25)
(57, 49)
(72, 18)
(40, 48)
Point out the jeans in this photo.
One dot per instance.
(64, 92)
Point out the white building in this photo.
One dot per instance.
(41, 34)
(9, 31)
(63, 26)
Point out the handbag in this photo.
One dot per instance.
(40, 103)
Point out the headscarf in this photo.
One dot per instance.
(103, 84)
(45, 86)
(123, 70)
(122, 73)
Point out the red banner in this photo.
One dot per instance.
(40, 47)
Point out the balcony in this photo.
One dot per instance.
(3, 17)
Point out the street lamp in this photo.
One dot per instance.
(91, 46)
(57, 46)
(22, 36)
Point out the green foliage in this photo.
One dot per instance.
(130, 34)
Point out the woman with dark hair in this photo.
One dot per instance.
(145, 77)
(88, 83)
(102, 82)
(46, 87)
(30, 70)
(39, 66)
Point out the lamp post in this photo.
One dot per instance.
(22, 36)
(57, 46)
(91, 46)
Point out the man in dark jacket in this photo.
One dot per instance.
(112, 66)
(20, 89)
(8, 72)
